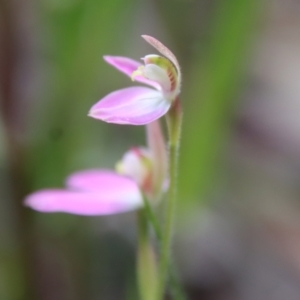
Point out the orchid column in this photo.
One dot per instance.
(141, 106)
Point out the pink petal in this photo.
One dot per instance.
(94, 180)
(128, 66)
(111, 201)
(134, 106)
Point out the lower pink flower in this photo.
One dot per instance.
(90, 192)
(105, 192)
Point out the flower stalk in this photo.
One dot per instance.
(175, 285)
(174, 120)
(146, 262)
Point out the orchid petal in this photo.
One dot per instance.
(110, 200)
(134, 106)
(94, 180)
(128, 66)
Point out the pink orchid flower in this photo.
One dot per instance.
(105, 192)
(89, 192)
(142, 105)
(148, 166)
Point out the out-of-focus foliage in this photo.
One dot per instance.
(215, 81)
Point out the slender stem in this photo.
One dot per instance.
(167, 238)
(147, 268)
(174, 118)
(176, 288)
(153, 219)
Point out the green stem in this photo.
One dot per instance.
(146, 264)
(153, 219)
(176, 288)
(174, 118)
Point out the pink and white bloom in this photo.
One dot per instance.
(142, 105)
(148, 166)
(89, 192)
(105, 192)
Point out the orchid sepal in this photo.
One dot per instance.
(89, 193)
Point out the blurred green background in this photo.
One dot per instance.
(238, 230)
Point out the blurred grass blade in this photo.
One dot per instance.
(66, 138)
(212, 95)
